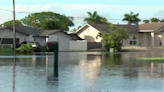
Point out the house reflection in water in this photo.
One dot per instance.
(100, 71)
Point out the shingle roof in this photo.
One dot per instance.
(129, 28)
(151, 26)
(48, 32)
(74, 36)
(28, 30)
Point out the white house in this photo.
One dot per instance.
(145, 35)
(66, 41)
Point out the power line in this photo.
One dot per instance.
(68, 16)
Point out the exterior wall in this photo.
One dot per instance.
(144, 40)
(42, 41)
(29, 38)
(156, 40)
(63, 39)
(90, 34)
(149, 39)
(78, 45)
(7, 33)
(127, 41)
(140, 40)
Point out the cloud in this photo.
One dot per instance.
(159, 14)
(79, 10)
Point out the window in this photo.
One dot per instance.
(133, 40)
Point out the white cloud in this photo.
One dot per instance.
(79, 10)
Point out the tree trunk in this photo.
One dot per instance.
(129, 23)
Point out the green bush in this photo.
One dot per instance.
(6, 50)
(25, 48)
(44, 48)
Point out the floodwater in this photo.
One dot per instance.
(82, 72)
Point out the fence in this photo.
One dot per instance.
(6, 46)
(94, 45)
(78, 45)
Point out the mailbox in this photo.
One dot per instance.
(53, 46)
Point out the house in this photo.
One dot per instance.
(146, 35)
(66, 41)
(23, 33)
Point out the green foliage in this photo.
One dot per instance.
(95, 18)
(44, 48)
(48, 20)
(113, 37)
(73, 30)
(146, 21)
(5, 50)
(154, 20)
(17, 23)
(131, 18)
(25, 48)
(162, 20)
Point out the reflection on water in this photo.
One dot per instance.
(82, 72)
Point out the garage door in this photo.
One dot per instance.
(9, 41)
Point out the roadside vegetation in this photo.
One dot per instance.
(113, 37)
(25, 48)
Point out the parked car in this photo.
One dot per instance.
(35, 45)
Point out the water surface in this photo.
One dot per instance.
(82, 72)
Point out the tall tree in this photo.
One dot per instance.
(17, 23)
(95, 18)
(48, 20)
(154, 20)
(146, 21)
(131, 18)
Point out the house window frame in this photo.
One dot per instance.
(132, 40)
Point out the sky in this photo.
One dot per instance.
(111, 9)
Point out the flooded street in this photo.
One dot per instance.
(82, 72)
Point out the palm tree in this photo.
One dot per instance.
(95, 18)
(146, 21)
(131, 18)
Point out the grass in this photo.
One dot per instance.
(154, 59)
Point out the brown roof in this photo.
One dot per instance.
(130, 28)
(151, 26)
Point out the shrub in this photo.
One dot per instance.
(25, 48)
(44, 48)
(113, 37)
(6, 50)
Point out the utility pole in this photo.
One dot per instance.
(14, 45)
(14, 34)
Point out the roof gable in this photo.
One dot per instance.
(84, 27)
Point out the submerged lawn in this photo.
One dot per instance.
(154, 59)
